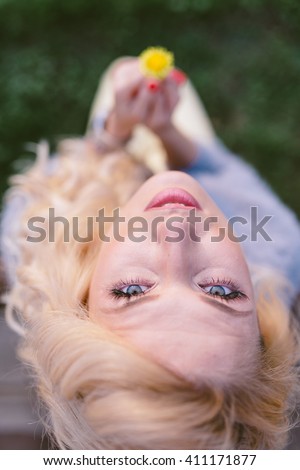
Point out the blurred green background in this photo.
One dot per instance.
(242, 55)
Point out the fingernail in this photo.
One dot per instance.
(153, 85)
(178, 76)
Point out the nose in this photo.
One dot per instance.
(176, 249)
(171, 229)
(180, 227)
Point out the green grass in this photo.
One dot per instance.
(242, 55)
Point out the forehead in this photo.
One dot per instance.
(194, 340)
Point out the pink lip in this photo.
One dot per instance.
(175, 197)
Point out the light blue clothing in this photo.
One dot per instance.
(235, 187)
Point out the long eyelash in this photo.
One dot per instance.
(227, 298)
(228, 282)
(116, 293)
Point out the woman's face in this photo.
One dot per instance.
(173, 281)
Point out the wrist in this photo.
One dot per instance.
(106, 135)
(116, 129)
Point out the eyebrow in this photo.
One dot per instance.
(209, 300)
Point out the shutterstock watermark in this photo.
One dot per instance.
(139, 228)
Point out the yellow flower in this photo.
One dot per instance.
(156, 62)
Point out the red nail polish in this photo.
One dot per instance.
(153, 86)
(178, 76)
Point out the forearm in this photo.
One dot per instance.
(180, 149)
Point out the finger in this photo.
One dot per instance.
(159, 114)
(127, 67)
(127, 79)
(178, 76)
(153, 85)
(127, 90)
(171, 93)
(125, 98)
(142, 104)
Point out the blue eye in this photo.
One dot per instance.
(215, 288)
(223, 292)
(218, 290)
(134, 289)
(129, 289)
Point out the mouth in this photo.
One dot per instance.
(173, 198)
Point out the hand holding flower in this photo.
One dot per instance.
(134, 102)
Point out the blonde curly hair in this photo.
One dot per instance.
(98, 391)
